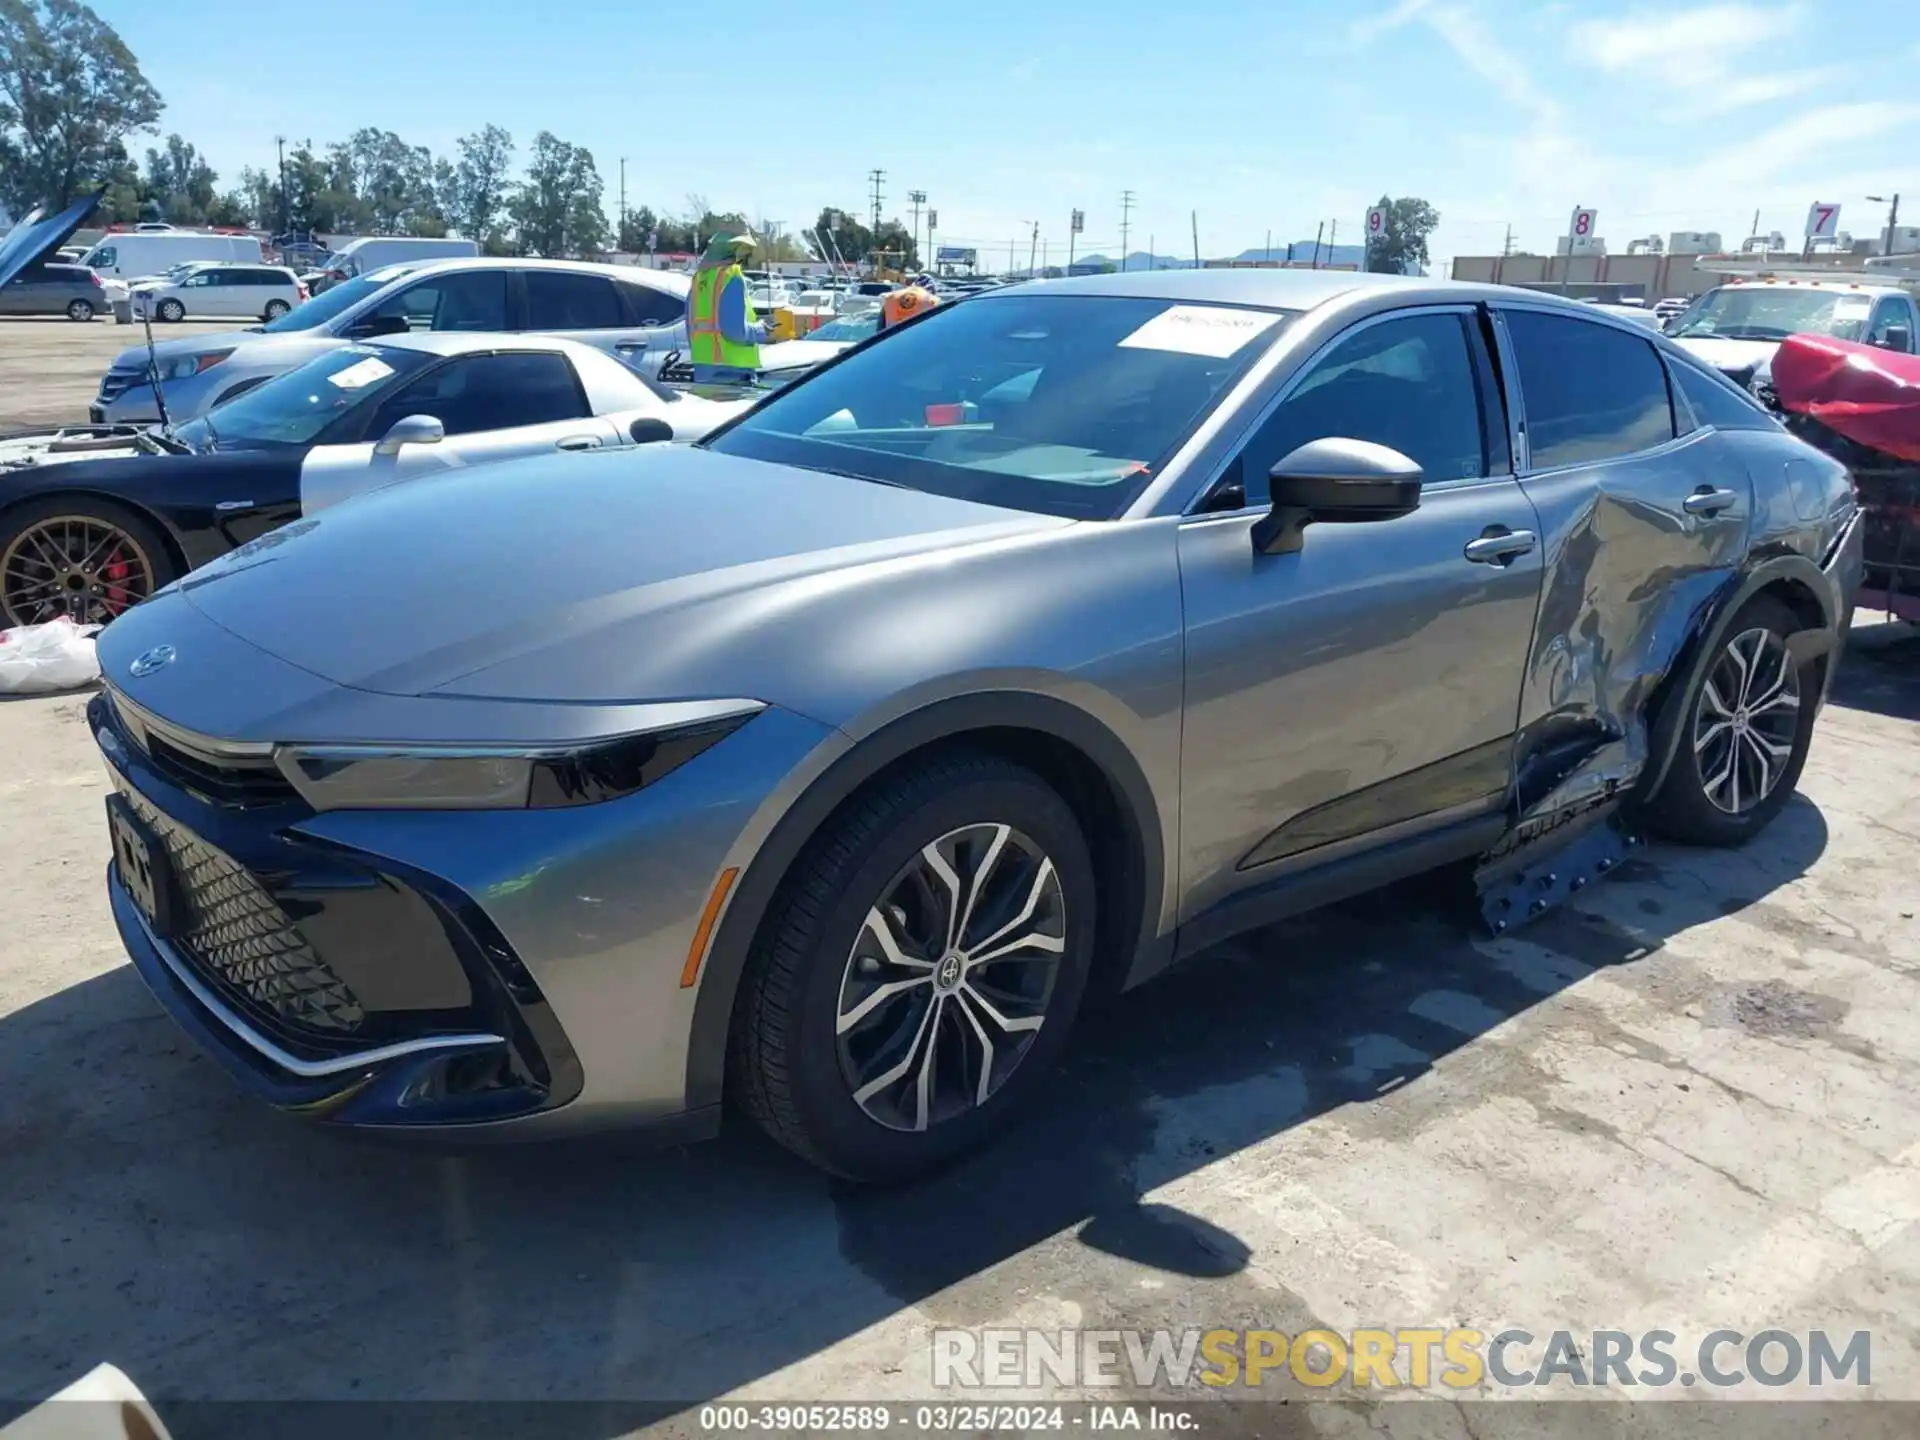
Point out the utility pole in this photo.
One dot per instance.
(1893, 217)
(917, 198)
(1318, 232)
(620, 240)
(1756, 230)
(1033, 248)
(1193, 217)
(1150, 252)
(1506, 246)
(876, 178)
(1126, 211)
(1333, 239)
(1010, 245)
(1269, 249)
(286, 209)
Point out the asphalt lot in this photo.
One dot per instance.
(1686, 1103)
(50, 369)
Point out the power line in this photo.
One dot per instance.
(876, 178)
(1126, 212)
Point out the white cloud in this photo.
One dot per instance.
(1702, 60)
(1461, 28)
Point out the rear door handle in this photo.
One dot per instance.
(577, 442)
(1708, 501)
(1499, 546)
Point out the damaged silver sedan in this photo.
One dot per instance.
(1027, 647)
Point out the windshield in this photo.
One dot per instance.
(848, 327)
(1064, 404)
(330, 303)
(1757, 312)
(292, 409)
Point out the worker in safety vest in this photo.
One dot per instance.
(723, 332)
(900, 305)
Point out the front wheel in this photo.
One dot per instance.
(74, 556)
(919, 971)
(275, 309)
(81, 310)
(1745, 740)
(172, 311)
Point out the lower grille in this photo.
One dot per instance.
(240, 941)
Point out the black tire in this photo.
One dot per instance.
(275, 309)
(1686, 808)
(787, 1065)
(172, 311)
(81, 310)
(137, 530)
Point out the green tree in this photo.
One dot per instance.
(390, 181)
(475, 194)
(180, 182)
(70, 94)
(849, 239)
(556, 210)
(638, 228)
(1403, 249)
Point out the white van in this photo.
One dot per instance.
(125, 255)
(371, 252)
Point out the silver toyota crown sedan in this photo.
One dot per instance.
(825, 767)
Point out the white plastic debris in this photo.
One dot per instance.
(41, 659)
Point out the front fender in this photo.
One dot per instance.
(792, 816)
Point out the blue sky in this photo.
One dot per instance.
(1259, 116)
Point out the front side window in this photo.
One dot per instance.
(566, 300)
(1063, 404)
(1407, 384)
(465, 300)
(331, 303)
(294, 408)
(1890, 315)
(487, 392)
(1591, 392)
(101, 257)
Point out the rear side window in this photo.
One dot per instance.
(559, 300)
(1591, 392)
(1716, 402)
(653, 307)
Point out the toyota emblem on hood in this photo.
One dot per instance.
(149, 661)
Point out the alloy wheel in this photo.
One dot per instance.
(950, 977)
(1747, 721)
(78, 566)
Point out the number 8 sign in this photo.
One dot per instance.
(1581, 227)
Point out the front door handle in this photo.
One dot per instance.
(1708, 501)
(1498, 545)
(577, 442)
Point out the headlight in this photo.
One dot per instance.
(495, 777)
(185, 367)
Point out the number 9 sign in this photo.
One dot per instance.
(1377, 223)
(1582, 225)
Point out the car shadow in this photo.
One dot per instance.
(1882, 670)
(157, 1219)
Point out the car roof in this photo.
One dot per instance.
(640, 273)
(1270, 289)
(465, 342)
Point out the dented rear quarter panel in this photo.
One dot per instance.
(1630, 575)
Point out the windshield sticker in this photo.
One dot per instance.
(1200, 330)
(1851, 307)
(361, 374)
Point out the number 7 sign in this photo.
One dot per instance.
(1823, 221)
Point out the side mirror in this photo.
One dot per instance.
(377, 325)
(1898, 337)
(1336, 480)
(648, 430)
(411, 430)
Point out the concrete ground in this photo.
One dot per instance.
(50, 369)
(1684, 1103)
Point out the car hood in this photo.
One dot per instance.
(39, 234)
(1731, 356)
(593, 578)
(302, 345)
